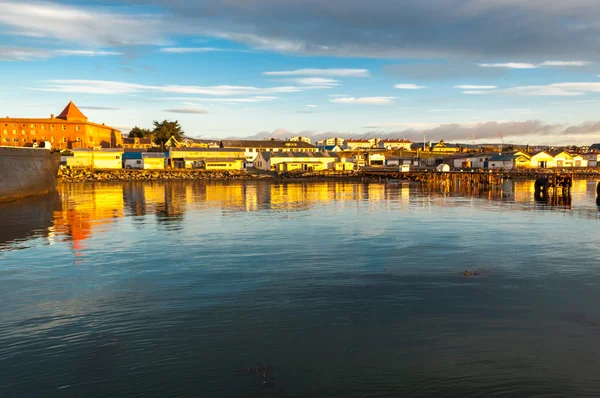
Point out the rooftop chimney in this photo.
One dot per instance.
(52, 116)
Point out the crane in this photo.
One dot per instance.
(501, 138)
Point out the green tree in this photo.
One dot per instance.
(137, 132)
(164, 130)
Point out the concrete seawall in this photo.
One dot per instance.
(27, 172)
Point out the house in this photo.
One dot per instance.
(301, 139)
(542, 160)
(143, 160)
(207, 158)
(562, 158)
(579, 160)
(292, 161)
(395, 144)
(375, 159)
(593, 158)
(595, 148)
(395, 161)
(374, 142)
(508, 161)
(445, 147)
(355, 145)
(331, 141)
(331, 148)
(99, 158)
(137, 142)
(252, 148)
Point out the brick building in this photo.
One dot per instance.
(71, 129)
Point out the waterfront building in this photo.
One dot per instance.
(355, 145)
(98, 158)
(207, 158)
(508, 161)
(331, 141)
(300, 139)
(593, 158)
(542, 160)
(143, 160)
(290, 161)
(395, 144)
(137, 142)
(442, 146)
(252, 148)
(70, 129)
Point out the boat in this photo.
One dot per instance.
(27, 172)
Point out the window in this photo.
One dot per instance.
(22, 132)
(51, 139)
(32, 126)
(32, 132)
(15, 140)
(14, 132)
(64, 127)
(77, 128)
(91, 139)
(51, 127)
(43, 127)
(78, 139)
(23, 125)
(6, 139)
(138, 162)
(5, 132)
(24, 139)
(64, 139)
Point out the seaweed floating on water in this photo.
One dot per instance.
(263, 375)
(477, 272)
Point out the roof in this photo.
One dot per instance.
(318, 155)
(361, 141)
(331, 147)
(264, 144)
(118, 150)
(207, 150)
(401, 140)
(72, 112)
(595, 147)
(505, 156)
(224, 159)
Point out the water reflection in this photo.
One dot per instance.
(22, 220)
(81, 210)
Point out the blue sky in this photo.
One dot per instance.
(452, 69)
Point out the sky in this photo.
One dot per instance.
(470, 71)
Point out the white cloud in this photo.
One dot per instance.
(565, 63)
(81, 25)
(185, 50)
(22, 54)
(408, 86)
(364, 100)
(593, 87)
(87, 53)
(311, 106)
(188, 110)
(472, 87)
(226, 100)
(550, 90)
(115, 87)
(322, 72)
(510, 65)
(314, 81)
(450, 110)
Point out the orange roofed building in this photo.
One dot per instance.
(71, 129)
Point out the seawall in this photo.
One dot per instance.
(27, 172)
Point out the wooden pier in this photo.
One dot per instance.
(475, 179)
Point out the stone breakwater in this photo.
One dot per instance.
(100, 175)
(96, 175)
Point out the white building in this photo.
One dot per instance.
(301, 139)
(253, 147)
(395, 144)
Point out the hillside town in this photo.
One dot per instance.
(84, 144)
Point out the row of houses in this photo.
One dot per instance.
(521, 159)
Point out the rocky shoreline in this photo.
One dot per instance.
(123, 175)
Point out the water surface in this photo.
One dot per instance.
(347, 290)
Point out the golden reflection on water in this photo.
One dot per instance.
(79, 211)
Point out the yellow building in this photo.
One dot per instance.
(207, 158)
(542, 160)
(71, 129)
(442, 146)
(137, 142)
(293, 161)
(108, 158)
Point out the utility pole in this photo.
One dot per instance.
(502, 139)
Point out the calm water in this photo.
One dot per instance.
(346, 290)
